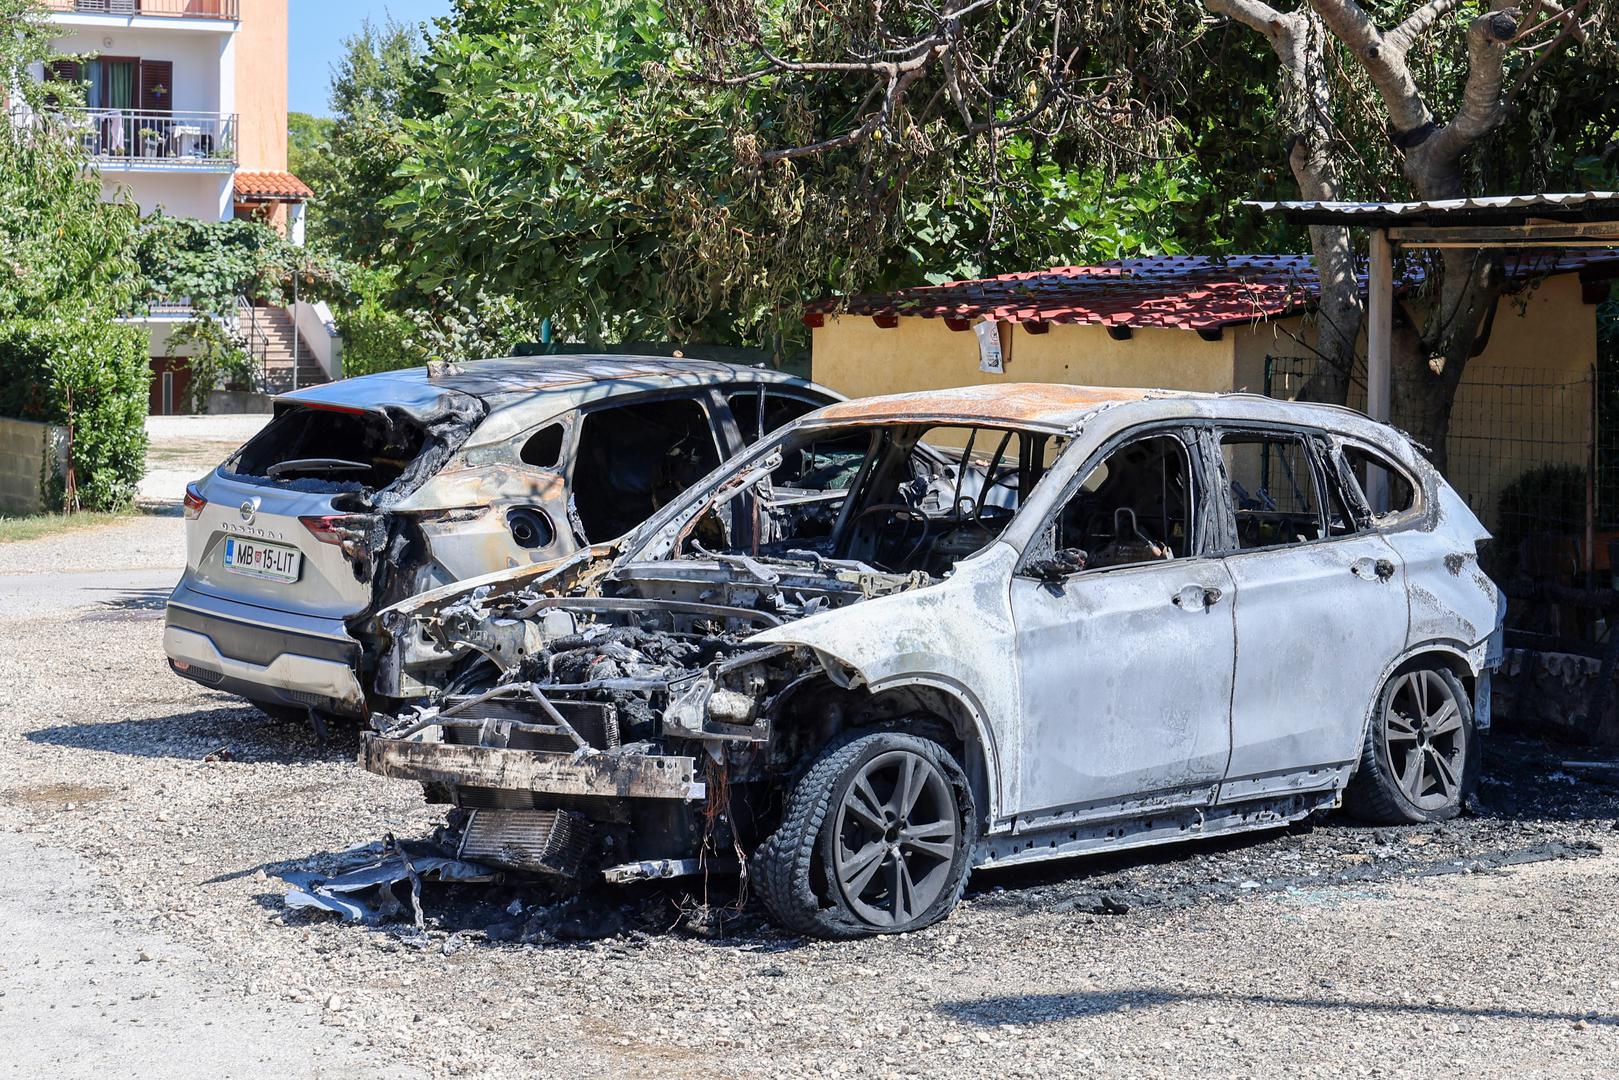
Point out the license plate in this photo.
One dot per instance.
(262, 560)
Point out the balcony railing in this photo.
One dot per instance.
(173, 9)
(166, 140)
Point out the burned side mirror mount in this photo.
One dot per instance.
(1058, 567)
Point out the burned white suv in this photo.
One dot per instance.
(363, 492)
(909, 636)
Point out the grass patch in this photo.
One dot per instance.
(34, 526)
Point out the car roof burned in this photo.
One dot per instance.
(1064, 409)
(503, 380)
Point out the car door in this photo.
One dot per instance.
(1124, 638)
(1320, 611)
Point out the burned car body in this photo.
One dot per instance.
(908, 636)
(363, 492)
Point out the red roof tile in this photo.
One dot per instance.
(271, 185)
(1189, 292)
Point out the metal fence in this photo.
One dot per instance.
(179, 9)
(170, 139)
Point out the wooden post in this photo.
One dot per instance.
(1591, 490)
(1379, 325)
(1379, 347)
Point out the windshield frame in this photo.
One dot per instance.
(665, 527)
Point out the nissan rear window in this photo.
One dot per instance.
(314, 449)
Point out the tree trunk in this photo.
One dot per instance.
(1469, 282)
(1299, 40)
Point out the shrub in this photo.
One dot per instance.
(89, 374)
(375, 336)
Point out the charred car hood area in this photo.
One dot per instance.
(644, 681)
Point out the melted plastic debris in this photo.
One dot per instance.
(368, 892)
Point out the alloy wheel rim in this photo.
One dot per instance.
(895, 839)
(1425, 739)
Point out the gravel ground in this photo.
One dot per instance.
(141, 815)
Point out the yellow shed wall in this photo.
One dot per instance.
(1526, 400)
(856, 357)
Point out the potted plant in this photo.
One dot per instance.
(151, 140)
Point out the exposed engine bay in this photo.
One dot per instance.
(617, 715)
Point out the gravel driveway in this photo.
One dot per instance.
(144, 822)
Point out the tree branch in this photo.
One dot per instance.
(1419, 22)
(1482, 105)
(1251, 13)
(1382, 59)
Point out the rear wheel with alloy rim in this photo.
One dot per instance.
(1419, 759)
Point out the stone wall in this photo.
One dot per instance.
(1550, 694)
(27, 449)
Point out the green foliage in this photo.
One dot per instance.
(572, 164)
(80, 369)
(215, 358)
(59, 242)
(375, 336)
(25, 40)
(1069, 216)
(310, 159)
(573, 160)
(211, 263)
(374, 93)
(66, 268)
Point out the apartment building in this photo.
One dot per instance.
(186, 113)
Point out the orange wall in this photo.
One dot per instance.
(261, 85)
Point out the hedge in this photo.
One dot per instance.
(90, 374)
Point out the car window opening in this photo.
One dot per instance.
(897, 499)
(1273, 488)
(1387, 489)
(634, 459)
(313, 449)
(1134, 506)
(758, 413)
(544, 448)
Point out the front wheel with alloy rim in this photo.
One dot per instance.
(876, 838)
(1419, 759)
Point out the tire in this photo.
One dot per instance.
(1420, 759)
(849, 859)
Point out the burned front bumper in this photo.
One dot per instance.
(426, 757)
(560, 814)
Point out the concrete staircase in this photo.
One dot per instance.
(270, 335)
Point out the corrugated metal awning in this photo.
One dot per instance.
(1483, 210)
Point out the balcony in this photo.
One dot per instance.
(171, 9)
(158, 141)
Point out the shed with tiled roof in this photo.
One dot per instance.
(1197, 323)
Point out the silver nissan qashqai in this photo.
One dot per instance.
(908, 636)
(363, 492)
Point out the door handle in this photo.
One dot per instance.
(1196, 598)
(1368, 570)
